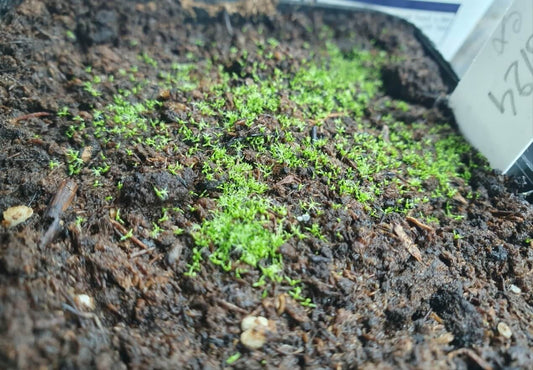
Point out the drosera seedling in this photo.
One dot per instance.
(161, 193)
(53, 164)
(127, 236)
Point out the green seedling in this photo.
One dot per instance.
(117, 217)
(63, 112)
(233, 358)
(75, 163)
(53, 164)
(127, 236)
(79, 221)
(70, 35)
(155, 231)
(161, 193)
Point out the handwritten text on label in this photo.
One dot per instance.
(515, 75)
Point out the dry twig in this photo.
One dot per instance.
(408, 243)
(30, 115)
(58, 205)
(419, 223)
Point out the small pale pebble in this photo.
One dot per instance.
(445, 338)
(254, 331)
(84, 302)
(250, 322)
(16, 215)
(303, 218)
(516, 290)
(254, 338)
(505, 330)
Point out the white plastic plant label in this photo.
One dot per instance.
(447, 23)
(493, 103)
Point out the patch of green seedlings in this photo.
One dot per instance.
(346, 84)
(247, 227)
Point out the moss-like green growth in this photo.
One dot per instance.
(351, 156)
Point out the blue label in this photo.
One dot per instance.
(433, 6)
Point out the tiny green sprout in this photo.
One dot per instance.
(148, 60)
(126, 236)
(155, 231)
(456, 235)
(296, 294)
(308, 303)
(315, 231)
(233, 358)
(449, 213)
(75, 163)
(292, 282)
(165, 216)
(63, 112)
(70, 35)
(109, 198)
(53, 164)
(88, 86)
(403, 106)
(77, 118)
(260, 282)
(174, 168)
(161, 193)
(297, 232)
(88, 69)
(97, 183)
(120, 185)
(79, 221)
(273, 42)
(117, 217)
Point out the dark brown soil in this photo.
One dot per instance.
(378, 303)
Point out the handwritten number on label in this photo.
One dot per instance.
(500, 104)
(523, 90)
(512, 72)
(499, 42)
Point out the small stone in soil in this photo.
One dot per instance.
(514, 289)
(504, 330)
(16, 215)
(254, 331)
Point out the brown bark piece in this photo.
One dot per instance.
(408, 243)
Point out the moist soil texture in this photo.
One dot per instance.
(231, 188)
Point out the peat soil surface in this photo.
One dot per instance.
(147, 138)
